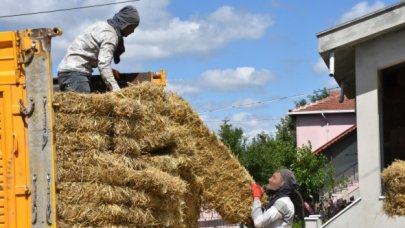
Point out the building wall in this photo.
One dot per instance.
(344, 155)
(318, 130)
(372, 56)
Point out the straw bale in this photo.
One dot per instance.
(79, 166)
(149, 143)
(127, 108)
(158, 145)
(193, 201)
(87, 192)
(224, 191)
(166, 211)
(149, 95)
(145, 92)
(147, 124)
(83, 123)
(394, 180)
(127, 127)
(90, 214)
(71, 141)
(127, 146)
(150, 179)
(96, 104)
(167, 163)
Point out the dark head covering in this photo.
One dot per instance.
(125, 17)
(290, 183)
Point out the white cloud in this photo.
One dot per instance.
(160, 34)
(198, 35)
(181, 87)
(235, 79)
(254, 132)
(247, 103)
(320, 67)
(225, 80)
(361, 9)
(247, 118)
(251, 124)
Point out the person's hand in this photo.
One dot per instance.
(257, 191)
(116, 74)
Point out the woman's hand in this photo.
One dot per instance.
(257, 191)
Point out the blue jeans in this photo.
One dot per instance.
(74, 81)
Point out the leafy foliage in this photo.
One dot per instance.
(313, 172)
(232, 137)
(265, 154)
(300, 103)
(316, 96)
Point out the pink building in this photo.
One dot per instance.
(318, 123)
(330, 128)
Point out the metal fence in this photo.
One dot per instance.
(210, 218)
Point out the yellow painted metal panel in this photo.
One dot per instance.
(8, 57)
(20, 155)
(15, 205)
(7, 201)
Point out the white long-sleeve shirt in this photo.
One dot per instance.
(280, 215)
(94, 48)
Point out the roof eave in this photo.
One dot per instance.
(343, 39)
(321, 112)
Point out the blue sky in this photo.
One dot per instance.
(231, 59)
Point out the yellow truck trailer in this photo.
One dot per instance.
(27, 172)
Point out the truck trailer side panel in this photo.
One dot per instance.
(15, 201)
(27, 186)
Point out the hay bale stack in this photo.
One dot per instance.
(394, 180)
(225, 181)
(142, 157)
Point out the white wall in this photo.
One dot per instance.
(371, 57)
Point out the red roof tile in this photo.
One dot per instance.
(328, 104)
(336, 139)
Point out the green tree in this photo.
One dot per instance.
(318, 95)
(300, 103)
(285, 131)
(264, 154)
(313, 172)
(232, 137)
(315, 96)
(261, 157)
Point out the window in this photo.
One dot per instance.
(393, 114)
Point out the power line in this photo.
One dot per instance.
(263, 101)
(67, 9)
(242, 121)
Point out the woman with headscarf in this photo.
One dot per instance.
(97, 47)
(279, 213)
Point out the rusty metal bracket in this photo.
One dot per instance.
(23, 110)
(29, 53)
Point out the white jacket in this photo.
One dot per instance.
(280, 215)
(94, 48)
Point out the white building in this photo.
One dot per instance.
(366, 56)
